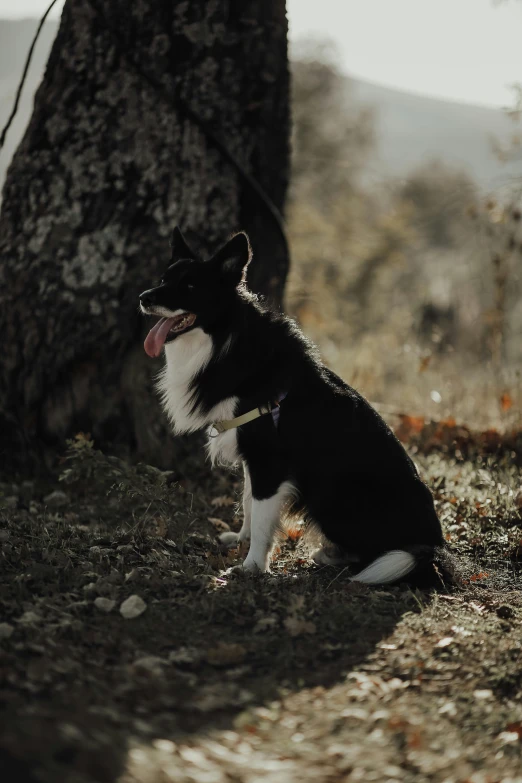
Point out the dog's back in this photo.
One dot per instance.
(353, 478)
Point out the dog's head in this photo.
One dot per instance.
(194, 293)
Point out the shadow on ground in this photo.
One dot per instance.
(198, 657)
(82, 686)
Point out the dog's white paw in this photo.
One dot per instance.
(229, 539)
(251, 566)
(239, 570)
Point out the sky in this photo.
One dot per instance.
(464, 50)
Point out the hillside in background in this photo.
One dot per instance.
(413, 129)
(410, 129)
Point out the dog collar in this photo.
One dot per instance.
(229, 424)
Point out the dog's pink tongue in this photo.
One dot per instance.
(156, 337)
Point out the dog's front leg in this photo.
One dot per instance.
(266, 514)
(245, 532)
(241, 539)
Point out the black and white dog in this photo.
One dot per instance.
(306, 439)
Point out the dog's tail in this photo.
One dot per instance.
(422, 565)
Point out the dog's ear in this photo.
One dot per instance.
(180, 249)
(233, 259)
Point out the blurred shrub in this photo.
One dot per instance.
(398, 284)
(441, 198)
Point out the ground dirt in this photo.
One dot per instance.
(294, 676)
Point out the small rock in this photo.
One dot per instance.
(10, 502)
(4, 536)
(29, 617)
(164, 745)
(448, 708)
(508, 736)
(104, 604)
(56, 499)
(483, 694)
(150, 663)
(6, 630)
(71, 732)
(185, 656)
(132, 607)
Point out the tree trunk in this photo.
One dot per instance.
(126, 140)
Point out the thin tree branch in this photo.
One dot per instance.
(24, 74)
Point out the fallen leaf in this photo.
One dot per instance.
(480, 575)
(409, 425)
(506, 402)
(516, 728)
(424, 363)
(294, 533)
(218, 523)
(185, 656)
(226, 654)
(448, 423)
(265, 622)
(296, 626)
(223, 500)
(160, 527)
(150, 663)
(398, 722)
(414, 738)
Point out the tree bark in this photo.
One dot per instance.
(120, 148)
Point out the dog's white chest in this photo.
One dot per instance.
(186, 357)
